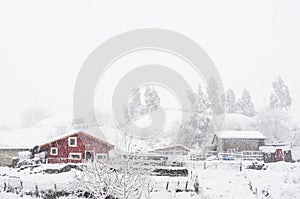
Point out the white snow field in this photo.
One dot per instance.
(220, 179)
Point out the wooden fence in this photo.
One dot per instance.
(244, 155)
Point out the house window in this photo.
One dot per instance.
(75, 156)
(101, 156)
(89, 155)
(53, 151)
(72, 141)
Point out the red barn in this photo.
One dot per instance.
(76, 148)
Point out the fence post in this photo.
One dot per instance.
(241, 165)
(55, 190)
(196, 186)
(186, 185)
(37, 194)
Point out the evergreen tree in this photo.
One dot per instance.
(155, 99)
(152, 99)
(194, 130)
(280, 98)
(135, 105)
(231, 106)
(274, 124)
(147, 96)
(246, 105)
(126, 113)
(222, 103)
(199, 102)
(214, 97)
(199, 120)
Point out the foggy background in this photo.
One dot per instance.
(43, 45)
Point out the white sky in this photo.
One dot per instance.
(44, 43)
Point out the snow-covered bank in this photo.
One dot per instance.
(219, 179)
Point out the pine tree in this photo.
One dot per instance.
(199, 120)
(152, 99)
(147, 96)
(199, 102)
(222, 103)
(135, 105)
(246, 105)
(231, 106)
(214, 97)
(280, 98)
(195, 129)
(126, 113)
(155, 99)
(274, 124)
(239, 106)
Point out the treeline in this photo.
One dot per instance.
(137, 108)
(194, 130)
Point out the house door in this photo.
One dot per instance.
(89, 155)
(279, 155)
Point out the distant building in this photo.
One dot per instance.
(172, 155)
(8, 153)
(76, 148)
(224, 141)
(172, 150)
(276, 152)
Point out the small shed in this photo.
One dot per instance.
(76, 148)
(224, 141)
(8, 153)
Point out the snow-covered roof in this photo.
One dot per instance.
(171, 146)
(240, 134)
(272, 149)
(95, 136)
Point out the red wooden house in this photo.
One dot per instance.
(76, 148)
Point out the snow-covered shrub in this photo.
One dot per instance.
(120, 177)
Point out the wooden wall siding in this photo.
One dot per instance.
(84, 143)
(240, 144)
(64, 150)
(92, 144)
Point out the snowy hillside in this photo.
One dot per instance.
(53, 127)
(36, 135)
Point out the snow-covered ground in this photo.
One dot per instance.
(220, 179)
(225, 180)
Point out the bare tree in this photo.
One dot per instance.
(119, 178)
(123, 176)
